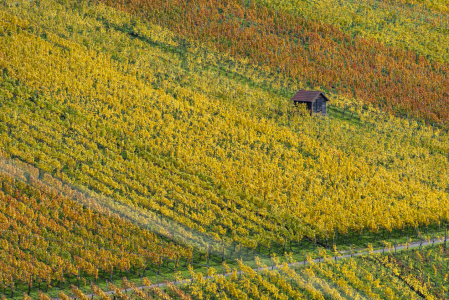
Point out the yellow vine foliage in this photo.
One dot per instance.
(153, 147)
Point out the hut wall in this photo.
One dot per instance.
(320, 105)
(323, 105)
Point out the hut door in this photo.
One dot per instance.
(318, 105)
(324, 108)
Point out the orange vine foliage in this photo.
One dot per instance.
(46, 236)
(318, 54)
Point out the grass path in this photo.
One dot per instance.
(343, 255)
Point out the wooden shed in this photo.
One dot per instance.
(316, 101)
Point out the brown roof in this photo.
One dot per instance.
(307, 96)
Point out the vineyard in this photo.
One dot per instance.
(409, 274)
(140, 142)
(324, 56)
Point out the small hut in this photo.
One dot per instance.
(316, 101)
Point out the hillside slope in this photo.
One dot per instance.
(172, 128)
(110, 130)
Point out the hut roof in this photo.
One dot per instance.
(307, 96)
